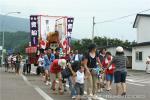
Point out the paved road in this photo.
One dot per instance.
(32, 87)
(12, 87)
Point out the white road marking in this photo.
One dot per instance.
(138, 80)
(26, 80)
(135, 84)
(41, 92)
(99, 98)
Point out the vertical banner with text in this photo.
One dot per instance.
(34, 30)
(70, 21)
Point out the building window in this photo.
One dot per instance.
(139, 56)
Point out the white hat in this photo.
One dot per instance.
(119, 49)
(62, 63)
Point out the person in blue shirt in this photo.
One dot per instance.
(48, 59)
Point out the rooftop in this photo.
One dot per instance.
(138, 16)
(142, 44)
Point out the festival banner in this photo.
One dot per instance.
(34, 30)
(70, 24)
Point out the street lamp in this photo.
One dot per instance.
(3, 41)
(3, 26)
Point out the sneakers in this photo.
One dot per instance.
(73, 97)
(89, 98)
(95, 97)
(47, 83)
(91, 95)
(100, 90)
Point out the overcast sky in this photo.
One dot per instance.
(83, 11)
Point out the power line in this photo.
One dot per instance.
(111, 20)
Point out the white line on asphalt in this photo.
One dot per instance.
(26, 80)
(135, 84)
(99, 98)
(138, 81)
(41, 92)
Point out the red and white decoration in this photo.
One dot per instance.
(42, 44)
(31, 50)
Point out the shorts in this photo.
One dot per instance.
(79, 88)
(17, 65)
(46, 68)
(120, 77)
(109, 77)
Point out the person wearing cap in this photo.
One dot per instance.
(55, 70)
(120, 71)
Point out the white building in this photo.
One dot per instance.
(141, 50)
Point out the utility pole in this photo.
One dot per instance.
(93, 27)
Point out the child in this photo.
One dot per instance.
(79, 81)
(109, 72)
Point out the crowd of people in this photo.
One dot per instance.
(96, 69)
(13, 62)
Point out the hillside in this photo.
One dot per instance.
(15, 39)
(14, 24)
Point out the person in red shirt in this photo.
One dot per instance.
(55, 70)
(108, 71)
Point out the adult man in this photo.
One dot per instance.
(55, 70)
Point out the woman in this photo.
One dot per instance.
(92, 60)
(18, 60)
(110, 71)
(120, 72)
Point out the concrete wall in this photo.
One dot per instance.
(143, 30)
(140, 65)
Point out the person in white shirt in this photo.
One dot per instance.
(41, 61)
(79, 81)
(40, 68)
(76, 56)
(147, 64)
